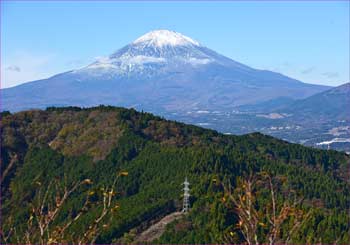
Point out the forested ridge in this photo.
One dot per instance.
(46, 152)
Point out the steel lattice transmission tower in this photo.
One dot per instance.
(186, 203)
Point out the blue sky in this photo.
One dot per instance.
(304, 40)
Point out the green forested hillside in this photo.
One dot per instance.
(44, 153)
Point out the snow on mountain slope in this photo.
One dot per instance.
(156, 53)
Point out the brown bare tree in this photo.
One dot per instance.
(243, 198)
(41, 227)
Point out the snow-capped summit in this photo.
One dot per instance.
(160, 53)
(160, 38)
(155, 53)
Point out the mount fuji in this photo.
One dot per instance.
(162, 71)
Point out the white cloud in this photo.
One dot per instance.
(102, 59)
(330, 74)
(308, 70)
(14, 68)
(23, 67)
